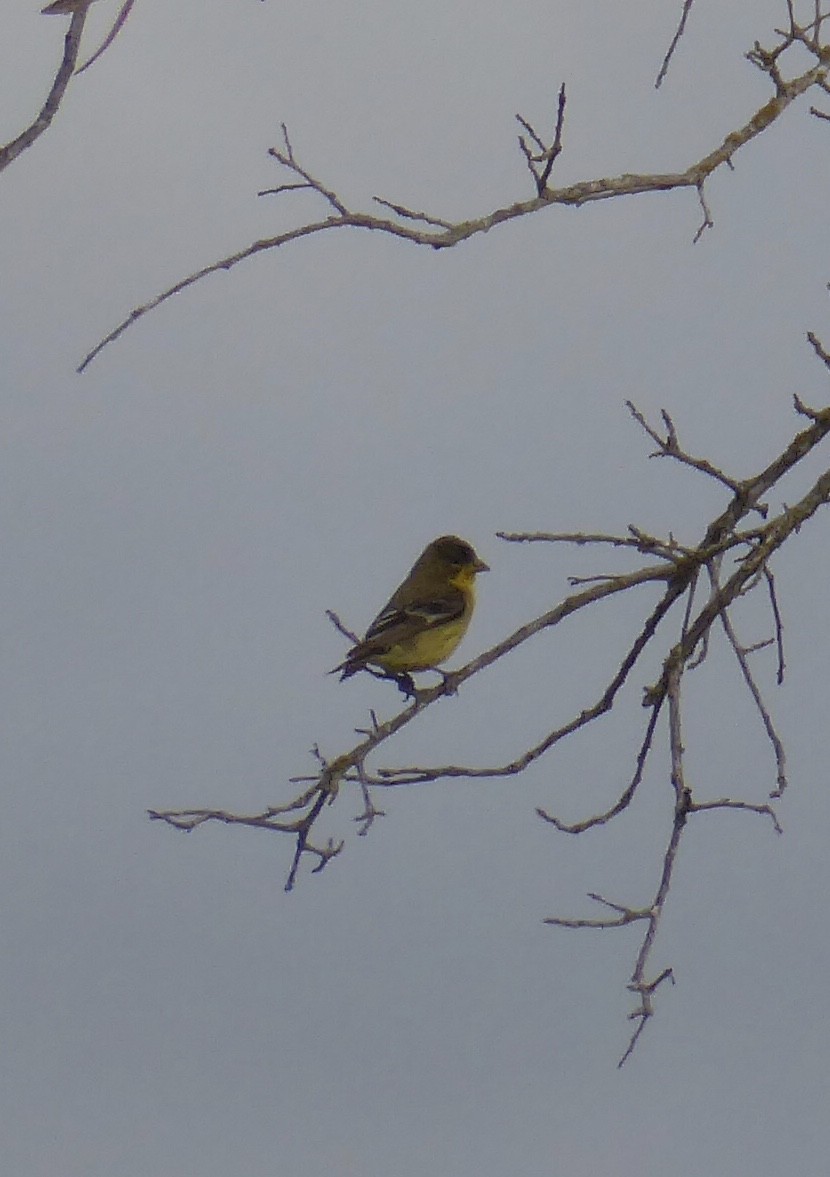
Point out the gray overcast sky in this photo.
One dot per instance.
(284, 439)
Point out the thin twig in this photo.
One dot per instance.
(117, 26)
(410, 214)
(639, 540)
(625, 799)
(681, 28)
(764, 810)
(779, 625)
(341, 628)
(707, 222)
(669, 447)
(766, 719)
(683, 799)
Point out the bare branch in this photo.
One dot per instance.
(540, 163)
(678, 575)
(410, 215)
(639, 540)
(743, 662)
(370, 813)
(415, 775)
(736, 562)
(669, 447)
(647, 992)
(779, 626)
(285, 156)
(71, 46)
(645, 988)
(707, 222)
(824, 356)
(341, 628)
(117, 26)
(682, 805)
(625, 799)
(726, 803)
(681, 28)
(225, 264)
(627, 915)
(272, 818)
(679, 579)
(282, 188)
(439, 233)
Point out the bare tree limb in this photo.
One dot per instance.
(71, 47)
(440, 233)
(752, 686)
(77, 10)
(736, 560)
(748, 553)
(669, 447)
(677, 574)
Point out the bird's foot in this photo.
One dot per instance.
(405, 685)
(450, 681)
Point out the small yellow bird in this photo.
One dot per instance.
(425, 618)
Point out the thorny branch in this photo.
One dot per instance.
(421, 228)
(736, 561)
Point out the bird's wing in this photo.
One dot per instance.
(425, 614)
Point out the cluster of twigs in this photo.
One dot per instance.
(422, 228)
(733, 555)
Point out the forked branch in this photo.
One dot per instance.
(436, 232)
(735, 559)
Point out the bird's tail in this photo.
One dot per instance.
(345, 669)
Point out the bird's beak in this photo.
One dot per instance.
(480, 566)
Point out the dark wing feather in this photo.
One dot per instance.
(427, 613)
(397, 622)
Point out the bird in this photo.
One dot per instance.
(426, 617)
